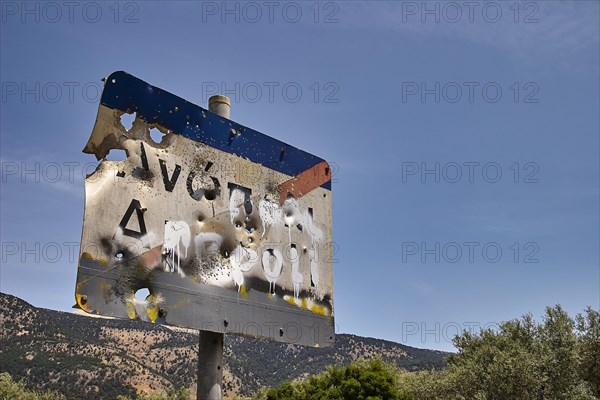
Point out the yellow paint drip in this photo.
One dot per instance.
(131, 308)
(82, 304)
(86, 255)
(152, 309)
(307, 304)
(318, 309)
(243, 291)
(102, 260)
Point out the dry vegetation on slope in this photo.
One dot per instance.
(93, 358)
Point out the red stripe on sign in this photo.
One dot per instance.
(305, 182)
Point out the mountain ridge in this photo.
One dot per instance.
(98, 358)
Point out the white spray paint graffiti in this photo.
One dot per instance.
(272, 262)
(270, 213)
(316, 235)
(176, 232)
(208, 253)
(297, 277)
(291, 215)
(236, 201)
(242, 260)
(314, 266)
(207, 244)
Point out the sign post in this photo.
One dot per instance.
(210, 345)
(228, 229)
(210, 361)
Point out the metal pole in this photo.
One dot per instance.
(210, 366)
(220, 104)
(210, 345)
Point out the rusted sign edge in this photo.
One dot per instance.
(155, 106)
(305, 182)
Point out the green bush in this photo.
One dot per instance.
(555, 359)
(11, 390)
(172, 394)
(362, 380)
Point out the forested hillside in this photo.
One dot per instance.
(96, 358)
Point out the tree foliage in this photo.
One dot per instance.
(588, 328)
(11, 390)
(555, 359)
(362, 380)
(172, 394)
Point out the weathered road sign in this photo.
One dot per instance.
(227, 228)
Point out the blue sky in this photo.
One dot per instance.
(477, 132)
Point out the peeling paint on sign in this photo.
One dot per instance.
(228, 229)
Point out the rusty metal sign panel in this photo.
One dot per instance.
(228, 229)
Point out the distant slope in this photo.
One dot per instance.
(93, 358)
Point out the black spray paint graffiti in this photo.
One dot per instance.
(242, 259)
(169, 182)
(237, 257)
(139, 212)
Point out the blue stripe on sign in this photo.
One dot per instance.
(127, 93)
